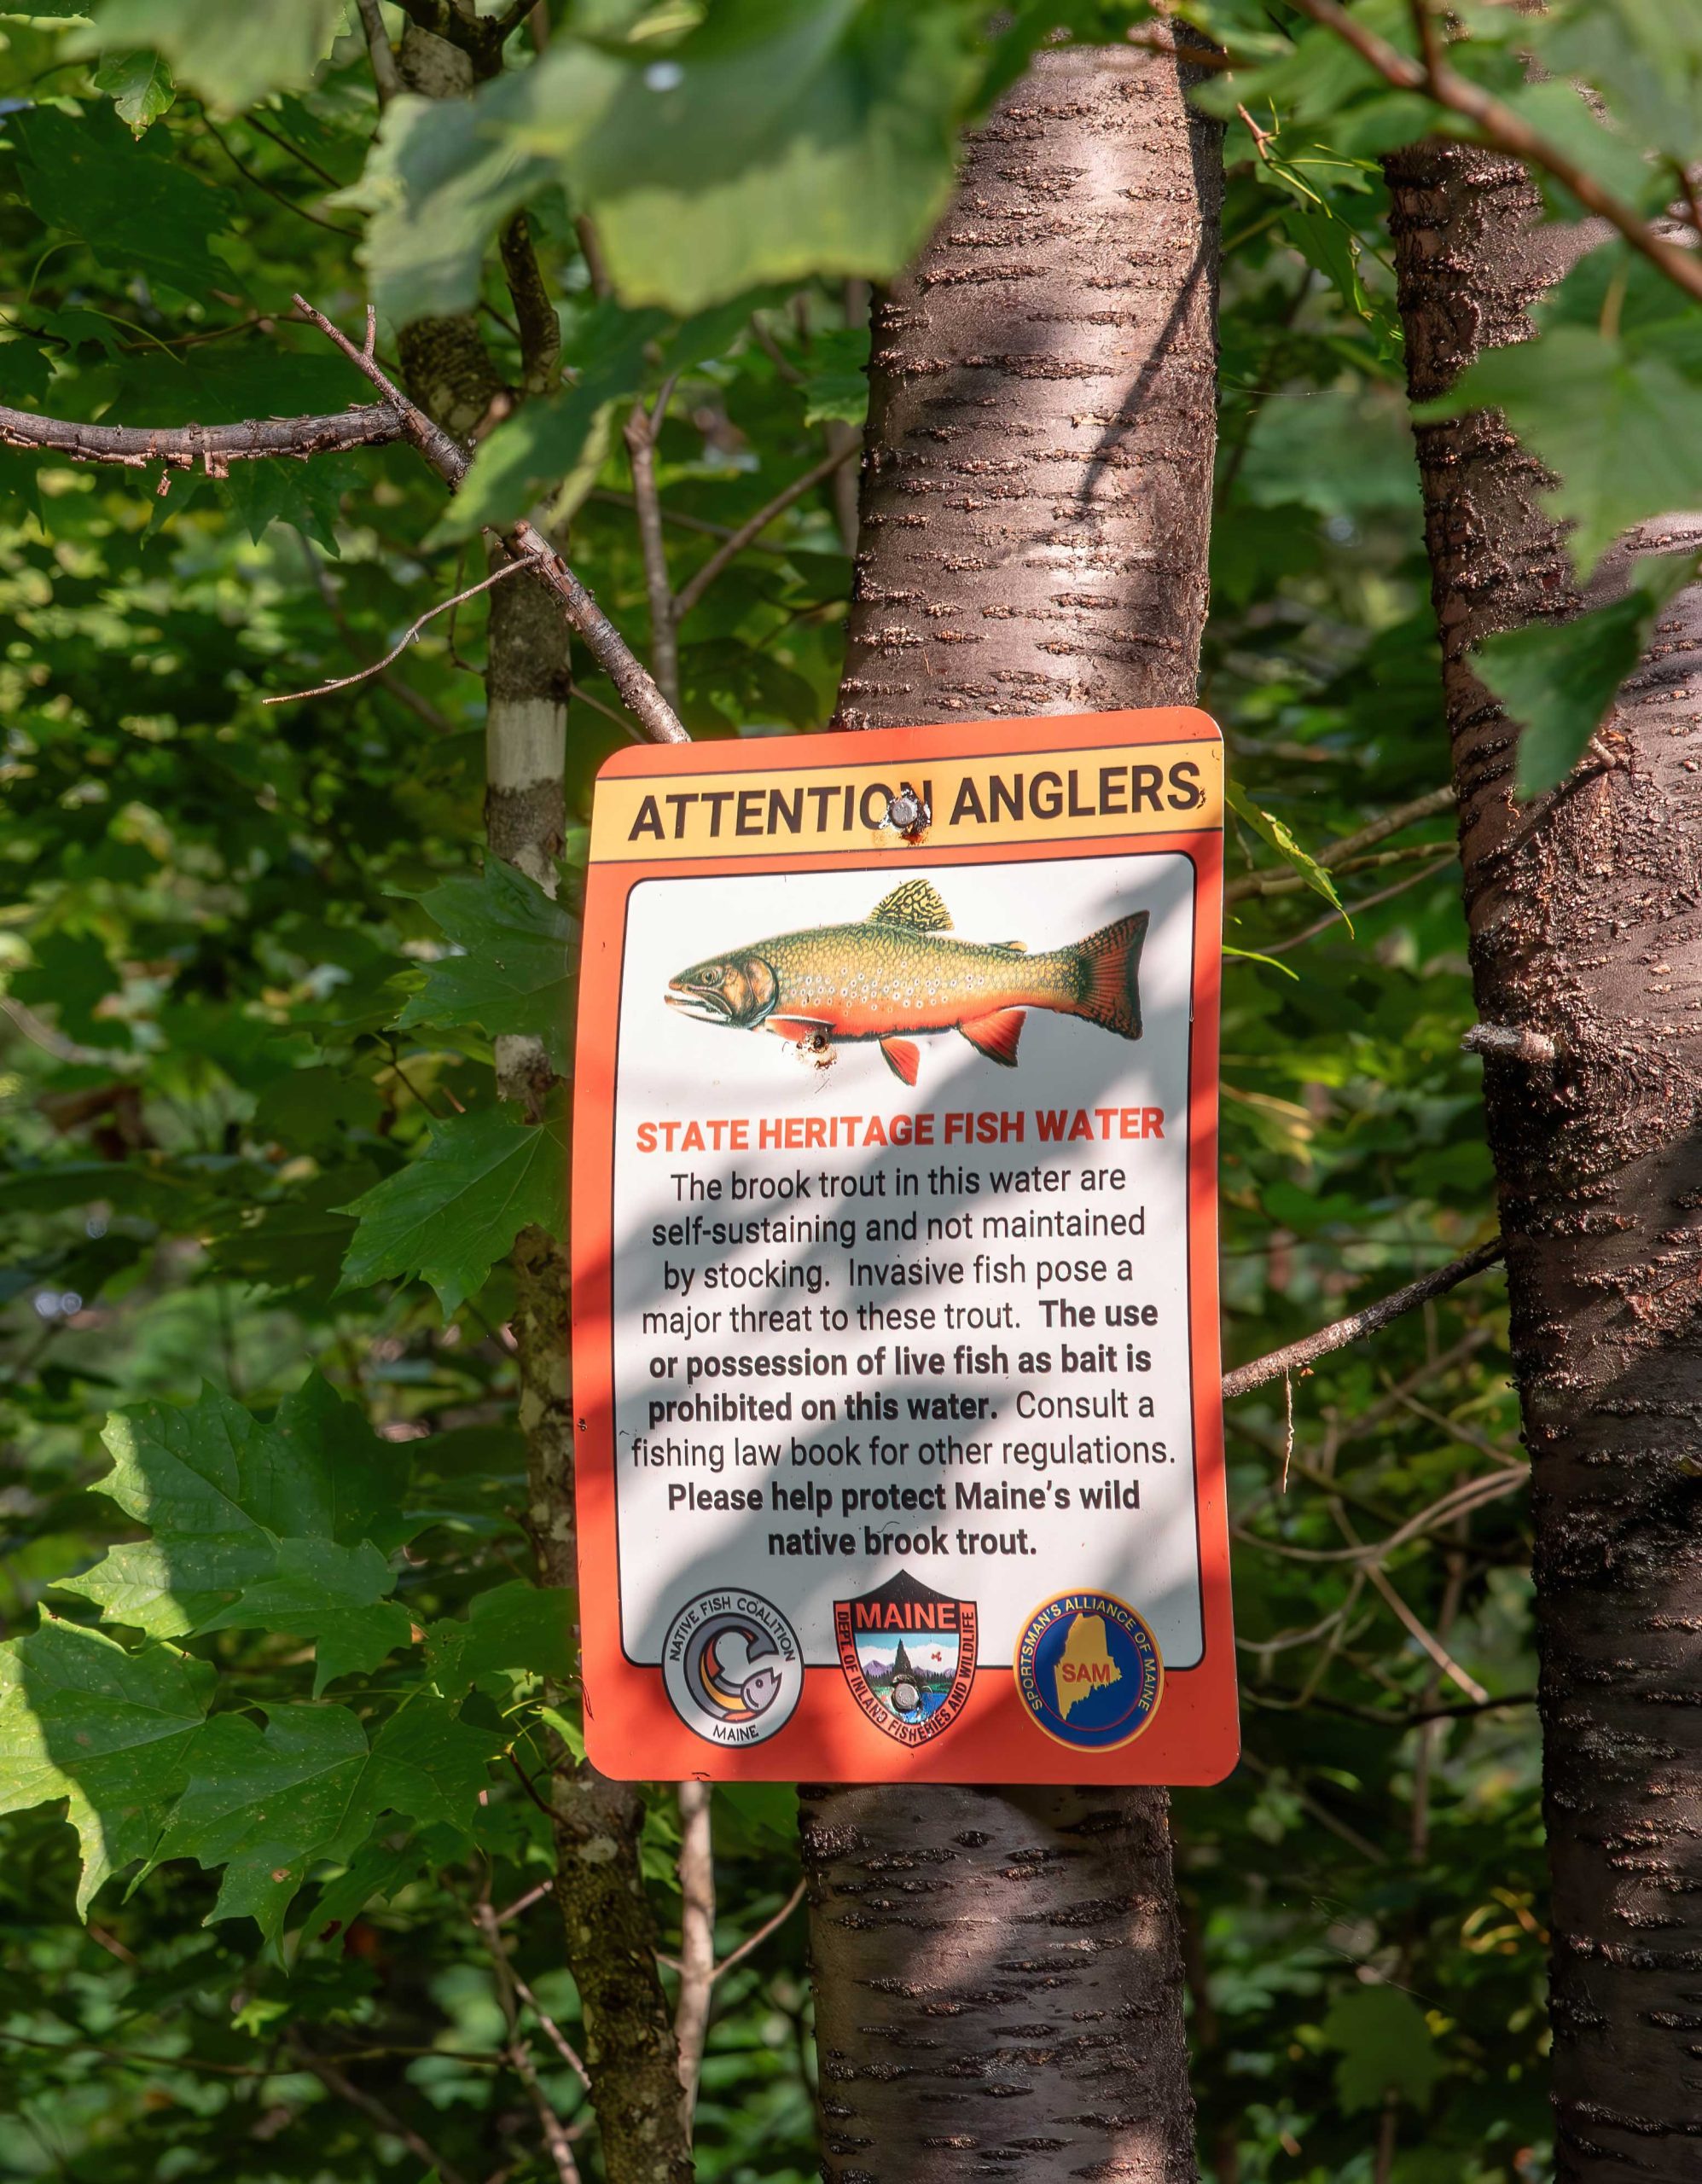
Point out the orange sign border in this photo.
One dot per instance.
(631, 1730)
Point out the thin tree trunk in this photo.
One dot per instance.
(1586, 928)
(998, 1972)
(609, 1926)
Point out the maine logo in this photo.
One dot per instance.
(732, 1667)
(909, 1655)
(1088, 1670)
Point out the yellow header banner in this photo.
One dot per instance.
(1117, 790)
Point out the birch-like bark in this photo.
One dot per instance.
(998, 1972)
(1586, 933)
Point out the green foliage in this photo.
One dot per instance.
(456, 1209)
(1558, 679)
(276, 1653)
(1386, 2047)
(779, 138)
(512, 970)
(232, 56)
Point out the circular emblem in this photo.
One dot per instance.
(1088, 1670)
(732, 1667)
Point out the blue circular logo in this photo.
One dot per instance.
(1088, 1670)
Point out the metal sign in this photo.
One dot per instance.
(895, 1353)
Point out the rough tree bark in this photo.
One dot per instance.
(998, 1972)
(1586, 929)
(610, 1930)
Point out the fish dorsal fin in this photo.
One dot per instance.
(916, 904)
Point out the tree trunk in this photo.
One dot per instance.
(1586, 926)
(998, 1972)
(610, 1929)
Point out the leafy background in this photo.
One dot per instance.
(273, 1648)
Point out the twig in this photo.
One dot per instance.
(1504, 130)
(385, 75)
(182, 447)
(1295, 883)
(277, 196)
(1512, 1042)
(697, 1939)
(451, 463)
(1296, 1356)
(1431, 1644)
(373, 2108)
(753, 1942)
(557, 2039)
(361, 674)
(1328, 923)
(522, 1904)
(700, 579)
(537, 328)
(519, 2054)
(639, 433)
(1335, 858)
(403, 692)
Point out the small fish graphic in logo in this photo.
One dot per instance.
(900, 971)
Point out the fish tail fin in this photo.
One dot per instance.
(1108, 966)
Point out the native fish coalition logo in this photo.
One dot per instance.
(909, 1655)
(733, 1668)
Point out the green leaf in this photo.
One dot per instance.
(450, 1215)
(136, 208)
(1558, 679)
(267, 1804)
(139, 85)
(309, 494)
(442, 176)
(70, 976)
(836, 386)
(233, 54)
(1643, 56)
(1271, 829)
(109, 1731)
(522, 1628)
(515, 970)
(224, 1496)
(1619, 431)
(779, 139)
(1386, 2046)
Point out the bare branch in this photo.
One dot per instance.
(557, 2038)
(214, 447)
(1504, 130)
(699, 583)
(697, 1939)
(1354, 910)
(519, 2054)
(385, 75)
(343, 682)
(1295, 1356)
(372, 2107)
(1512, 1042)
(640, 432)
(1338, 854)
(526, 543)
(401, 691)
(754, 1942)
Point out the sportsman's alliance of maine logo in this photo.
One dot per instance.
(909, 1655)
(1088, 1670)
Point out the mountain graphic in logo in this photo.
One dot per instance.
(908, 1654)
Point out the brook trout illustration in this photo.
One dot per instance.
(897, 972)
